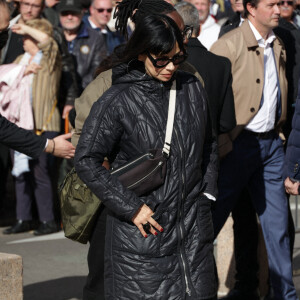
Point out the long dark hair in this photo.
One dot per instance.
(137, 10)
(156, 34)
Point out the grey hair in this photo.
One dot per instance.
(190, 15)
(4, 3)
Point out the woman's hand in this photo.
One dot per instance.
(36, 34)
(32, 68)
(143, 217)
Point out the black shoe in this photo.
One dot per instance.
(20, 226)
(241, 295)
(46, 228)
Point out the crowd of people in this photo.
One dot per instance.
(227, 71)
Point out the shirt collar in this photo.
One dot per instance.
(83, 31)
(93, 25)
(261, 42)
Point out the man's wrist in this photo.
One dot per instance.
(50, 146)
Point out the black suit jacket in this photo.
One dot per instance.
(230, 24)
(216, 73)
(290, 36)
(19, 139)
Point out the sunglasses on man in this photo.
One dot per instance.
(290, 3)
(101, 10)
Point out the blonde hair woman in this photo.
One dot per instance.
(43, 66)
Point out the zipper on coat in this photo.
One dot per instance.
(187, 289)
(147, 175)
(133, 162)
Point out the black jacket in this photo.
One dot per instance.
(232, 23)
(216, 73)
(290, 36)
(88, 50)
(127, 120)
(19, 139)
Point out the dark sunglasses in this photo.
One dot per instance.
(288, 2)
(66, 13)
(163, 61)
(101, 10)
(187, 32)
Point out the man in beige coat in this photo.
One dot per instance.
(256, 156)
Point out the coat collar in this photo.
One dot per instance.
(194, 42)
(250, 39)
(248, 35)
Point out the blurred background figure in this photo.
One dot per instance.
(25, 11)
(100, 15)
(209, 29)
(42, 70)
(288, 14)
(292, 158)
(215, 71)
(50, 12)
(85, 44)
(236, 19)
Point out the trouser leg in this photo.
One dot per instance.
(269, 198)
(23, 185)
(94, 287)
(291, 228)
(234, 175)
(245, 243)
(43, 190)
(3, 173)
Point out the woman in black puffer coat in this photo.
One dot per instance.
(175, 259)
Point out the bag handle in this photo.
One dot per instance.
(170, 122)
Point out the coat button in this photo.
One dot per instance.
(257, 80)
(252, 109)
(257, 52)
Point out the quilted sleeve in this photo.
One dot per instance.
(100, 135)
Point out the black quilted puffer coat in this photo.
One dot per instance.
(125, 122)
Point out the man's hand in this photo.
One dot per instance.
(291, 187)
(60, 147)
(66, 110)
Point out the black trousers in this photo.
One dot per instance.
(245, 243)
(94, 287)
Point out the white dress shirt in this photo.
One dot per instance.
(209, 32)
(264, 120)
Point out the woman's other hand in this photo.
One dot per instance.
(143, 217)
(32, 68)
(23, 29)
